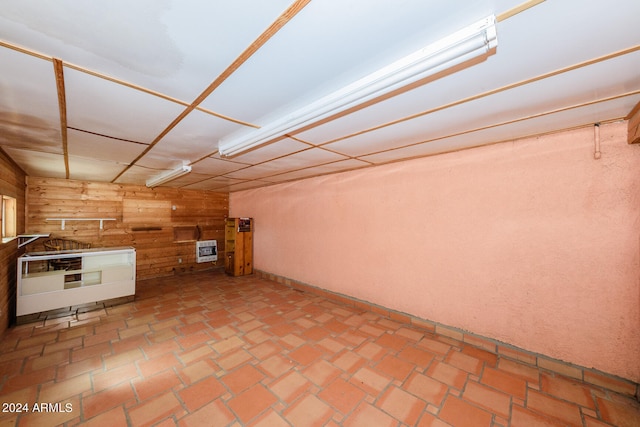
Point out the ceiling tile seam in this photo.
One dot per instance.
(123, 83)
(489, 93)
(107, 136)
(153, 93)
(58, 70)
(508, 122)
(280, 22)
(290, 170)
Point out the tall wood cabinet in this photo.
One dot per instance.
(238, 246)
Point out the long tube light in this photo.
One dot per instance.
(469, 43)
(170, 176)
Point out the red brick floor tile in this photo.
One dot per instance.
(372, 330)
(234, 359)
(251, 402)
(412, 334)
(554, 408)
(194, 354)
(275, 365)
(352, 338)
(494, 401)
(197, 338)
(622, 413)
(286, 356)
(593, 422)
(392, 341)
(52, 359)
(77, 368)
(448, 374)
(460, 413)
(395, 368)
(159, 349)
(305, 354)
(265, 349)
(123, 359)
(429, 420)
(321, 372)
(270, 419)
(18, 382)
(199, 394)
(115, 417)
(291, 341)
(104, 337)
(522, 417)
(336, 326)
(522, 370)
(156, 384)
(55, 391)
(342, 395)
(403, 406)
(290, 386)
(505, 382)
(370, 381)
(465, 362)
(417, 356)
(316, 333)
(349, 361)
(107, 379)
(161, 336)
(106, 400)
(434, 346)
(227, 345)
(371, 351)
(426, 388)
(197, 371)
(192, 328)
(567, 389)
(242, 378)
(158, 364)
(308, 411)
(331, 346)
(67, 344)
(479, 353)
(37, 340)
(367, 415)
(213, 414)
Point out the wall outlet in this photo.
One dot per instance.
(179, 260)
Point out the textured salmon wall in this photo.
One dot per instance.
(532, 242)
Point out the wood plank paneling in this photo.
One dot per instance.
(12, 182)
(144, 218)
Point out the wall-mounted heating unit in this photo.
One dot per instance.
(206, 250)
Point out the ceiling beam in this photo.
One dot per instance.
(280, 22)
(633, 134)
(518, 9)
(58, 68)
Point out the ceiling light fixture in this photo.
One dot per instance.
(169, 176)
(469, 43)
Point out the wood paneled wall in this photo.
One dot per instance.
(12, 181)
(161, 223)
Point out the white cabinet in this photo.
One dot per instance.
(89, 275)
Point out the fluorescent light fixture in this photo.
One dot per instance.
(168, 176)
(469, 43)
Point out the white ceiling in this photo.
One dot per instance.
(146, 85)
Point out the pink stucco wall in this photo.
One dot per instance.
(533, 242)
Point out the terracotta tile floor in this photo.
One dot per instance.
(211, 350)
